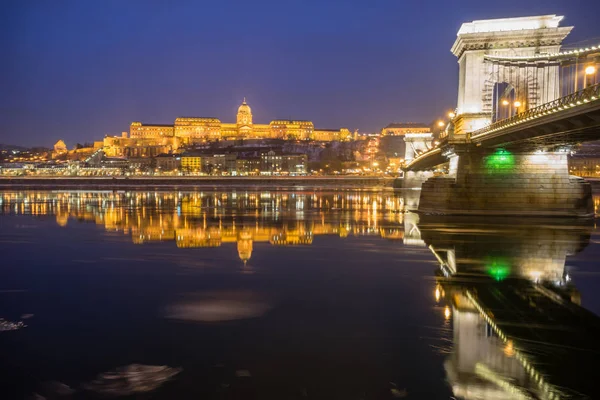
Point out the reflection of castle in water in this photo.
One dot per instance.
(212, 219)
(518, 329)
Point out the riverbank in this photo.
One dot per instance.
(350, 182)
(254, 182)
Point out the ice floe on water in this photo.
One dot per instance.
(6, 325)
(131, 379)
(218, 306)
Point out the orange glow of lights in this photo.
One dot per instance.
(590, 70)
(451, 114)
(441, 124)
(447, 312)
(438, 293)
(505, 102)
(517, 103)
(509, 349)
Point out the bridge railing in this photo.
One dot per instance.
(591, 93)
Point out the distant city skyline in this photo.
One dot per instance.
(79, 70)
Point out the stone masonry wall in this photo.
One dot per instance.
(504, 183)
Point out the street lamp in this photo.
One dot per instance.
(505, 102)
(441, 124)
(451, 115)
(590, 70)
(517, 103)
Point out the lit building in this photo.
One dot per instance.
(398, 140)
(401, 129)
(273, 162)
(78, 153)
(150, 131)
(122, 146)
(199, 129)
(587, 165)
(168, 162)
(60, 148)
(293, 130)
(191, 162)
(269, 163)
(209, 163)
(330, 135)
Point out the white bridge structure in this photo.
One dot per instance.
(523, 102)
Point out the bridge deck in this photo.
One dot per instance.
(569, 120)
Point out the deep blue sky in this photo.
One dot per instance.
(80, 69)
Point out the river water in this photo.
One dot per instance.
(298, 294)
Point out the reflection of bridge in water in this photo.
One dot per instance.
(519, 330)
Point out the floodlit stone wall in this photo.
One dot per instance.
(504, 183)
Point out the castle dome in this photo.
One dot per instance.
(244, 117)
(244, 108)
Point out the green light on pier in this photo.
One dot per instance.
(497, 268)
(500, 161)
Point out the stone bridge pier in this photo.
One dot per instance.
(415, 179)
(501, 182)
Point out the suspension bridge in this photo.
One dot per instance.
(522, 106)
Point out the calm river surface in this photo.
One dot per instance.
(302, 294)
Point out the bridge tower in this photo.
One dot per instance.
(482, 83)
(415, 144)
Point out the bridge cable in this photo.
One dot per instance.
(526, 85)
(576, 77)
(495, 87)
(546, 85)
(519, 91)
(498, 96)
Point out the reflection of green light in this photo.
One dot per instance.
(500, 161)
(498, 269)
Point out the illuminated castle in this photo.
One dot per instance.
(200, 129)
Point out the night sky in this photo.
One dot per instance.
(77, 70)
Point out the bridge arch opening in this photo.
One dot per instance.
(503, 101)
